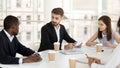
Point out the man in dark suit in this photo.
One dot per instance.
(54, 31)
(9, 44)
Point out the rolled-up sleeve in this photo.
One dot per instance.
(113, 62)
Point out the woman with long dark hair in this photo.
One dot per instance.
(114, 61)
(105, 34)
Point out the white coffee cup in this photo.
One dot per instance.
(99, 47)
(56, 46)
(51, 55)
(72, 62)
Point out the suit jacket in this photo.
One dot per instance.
(9, 49)
(48, 37)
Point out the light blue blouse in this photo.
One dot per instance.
(104, 38)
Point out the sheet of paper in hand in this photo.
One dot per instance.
(79, 42)
(85, 61)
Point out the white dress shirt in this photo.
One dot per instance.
(114, 61)
(57, 30)
(11, 38)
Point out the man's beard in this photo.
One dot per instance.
(15, 33)
(54, 23)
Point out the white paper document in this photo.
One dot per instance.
(85, 61)
(72, 51)
(79, 42)
(82, 60)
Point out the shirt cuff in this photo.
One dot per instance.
(20, 61)
(36, 53)
(94, 65)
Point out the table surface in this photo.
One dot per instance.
(62, 60)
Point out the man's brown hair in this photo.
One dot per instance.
(58, 11)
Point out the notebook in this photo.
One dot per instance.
(72, 51)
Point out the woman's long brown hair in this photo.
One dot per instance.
(107, 21)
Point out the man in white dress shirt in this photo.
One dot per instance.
(114, 62)
(55, 32)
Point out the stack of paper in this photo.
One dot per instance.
(72, 51)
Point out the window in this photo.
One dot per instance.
(85, 30)
(38, 18)
(28, 3)
(39, 34)
(8, 3)
(18, 3)
(81, 4)
(28, 36)
(19, 17)
(19, 36)
(78, 14)
(28, 18)
(0, 3)
(39, 3)
(104, 6)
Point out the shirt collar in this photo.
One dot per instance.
(8, 35)
(57, 28)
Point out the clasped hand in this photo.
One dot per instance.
(71, 46)
(32, 58)
(93, 60)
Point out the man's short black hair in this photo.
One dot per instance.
(10, 21)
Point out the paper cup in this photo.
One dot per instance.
(72, 62)
(99, 47)
(51, 55)
(56, 46)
